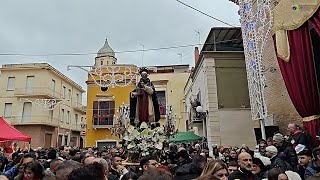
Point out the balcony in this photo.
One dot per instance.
(76, 127)
(78, 107)
(194, 121)
(43, 92)
(34, 120)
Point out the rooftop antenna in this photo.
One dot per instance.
(198, 34)
(142, 54)
(180, 54)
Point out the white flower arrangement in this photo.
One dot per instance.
(143, 140)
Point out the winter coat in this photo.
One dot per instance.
(188, 172)
(288, 154)
(277, 162)
(311, 170)
(241, 174)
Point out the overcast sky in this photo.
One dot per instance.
(81, 26)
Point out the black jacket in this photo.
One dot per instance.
(114, 173)
(301, 171)
(299, 138)
(188, 172)
(277, 162)
(288, 154)
(242, 174)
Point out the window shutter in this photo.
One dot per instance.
(11, 83)
(7, 110)
(95, 108)
(112, 107)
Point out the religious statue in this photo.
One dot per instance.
(144, 106)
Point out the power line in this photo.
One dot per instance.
(117, 52)
(206, 14)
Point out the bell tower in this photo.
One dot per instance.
(105, 56)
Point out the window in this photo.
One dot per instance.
(103, 112)
(30, 83)
(76, 118)
(162, 102)
(53, 86)
(81, 119)
(101, 63)
(77, 100)
(7, 110)
(11, 83)
(68, 117)
(50, 115)
(62, 115)
(64, 92)
(26, 112)
(69, 95)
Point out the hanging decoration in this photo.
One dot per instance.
(43, 104)
(112, 76)
(170, 123)
(256, 25)
(121, 121)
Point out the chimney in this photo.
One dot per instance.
(196, 55)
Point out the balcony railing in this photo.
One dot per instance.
(36, 92)
(34, 120)
(102, 122)
(194, 120)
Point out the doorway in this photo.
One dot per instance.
(47, 140)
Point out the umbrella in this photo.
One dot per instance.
(187, 136)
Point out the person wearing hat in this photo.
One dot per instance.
(144, 104)
(276, 161)
(285, 150)
(258, 168)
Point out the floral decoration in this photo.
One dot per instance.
(142, 141)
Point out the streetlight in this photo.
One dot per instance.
(201, 113)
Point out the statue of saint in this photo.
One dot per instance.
(144, 106)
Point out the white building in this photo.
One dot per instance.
(218, 84)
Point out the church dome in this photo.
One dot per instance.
(106, 50)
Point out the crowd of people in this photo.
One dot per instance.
(280, 157)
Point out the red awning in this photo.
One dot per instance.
(9, 133)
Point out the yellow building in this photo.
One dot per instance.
(169, 82)
(24, 87)
(103, 103)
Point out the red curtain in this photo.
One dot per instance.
(300, 77)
